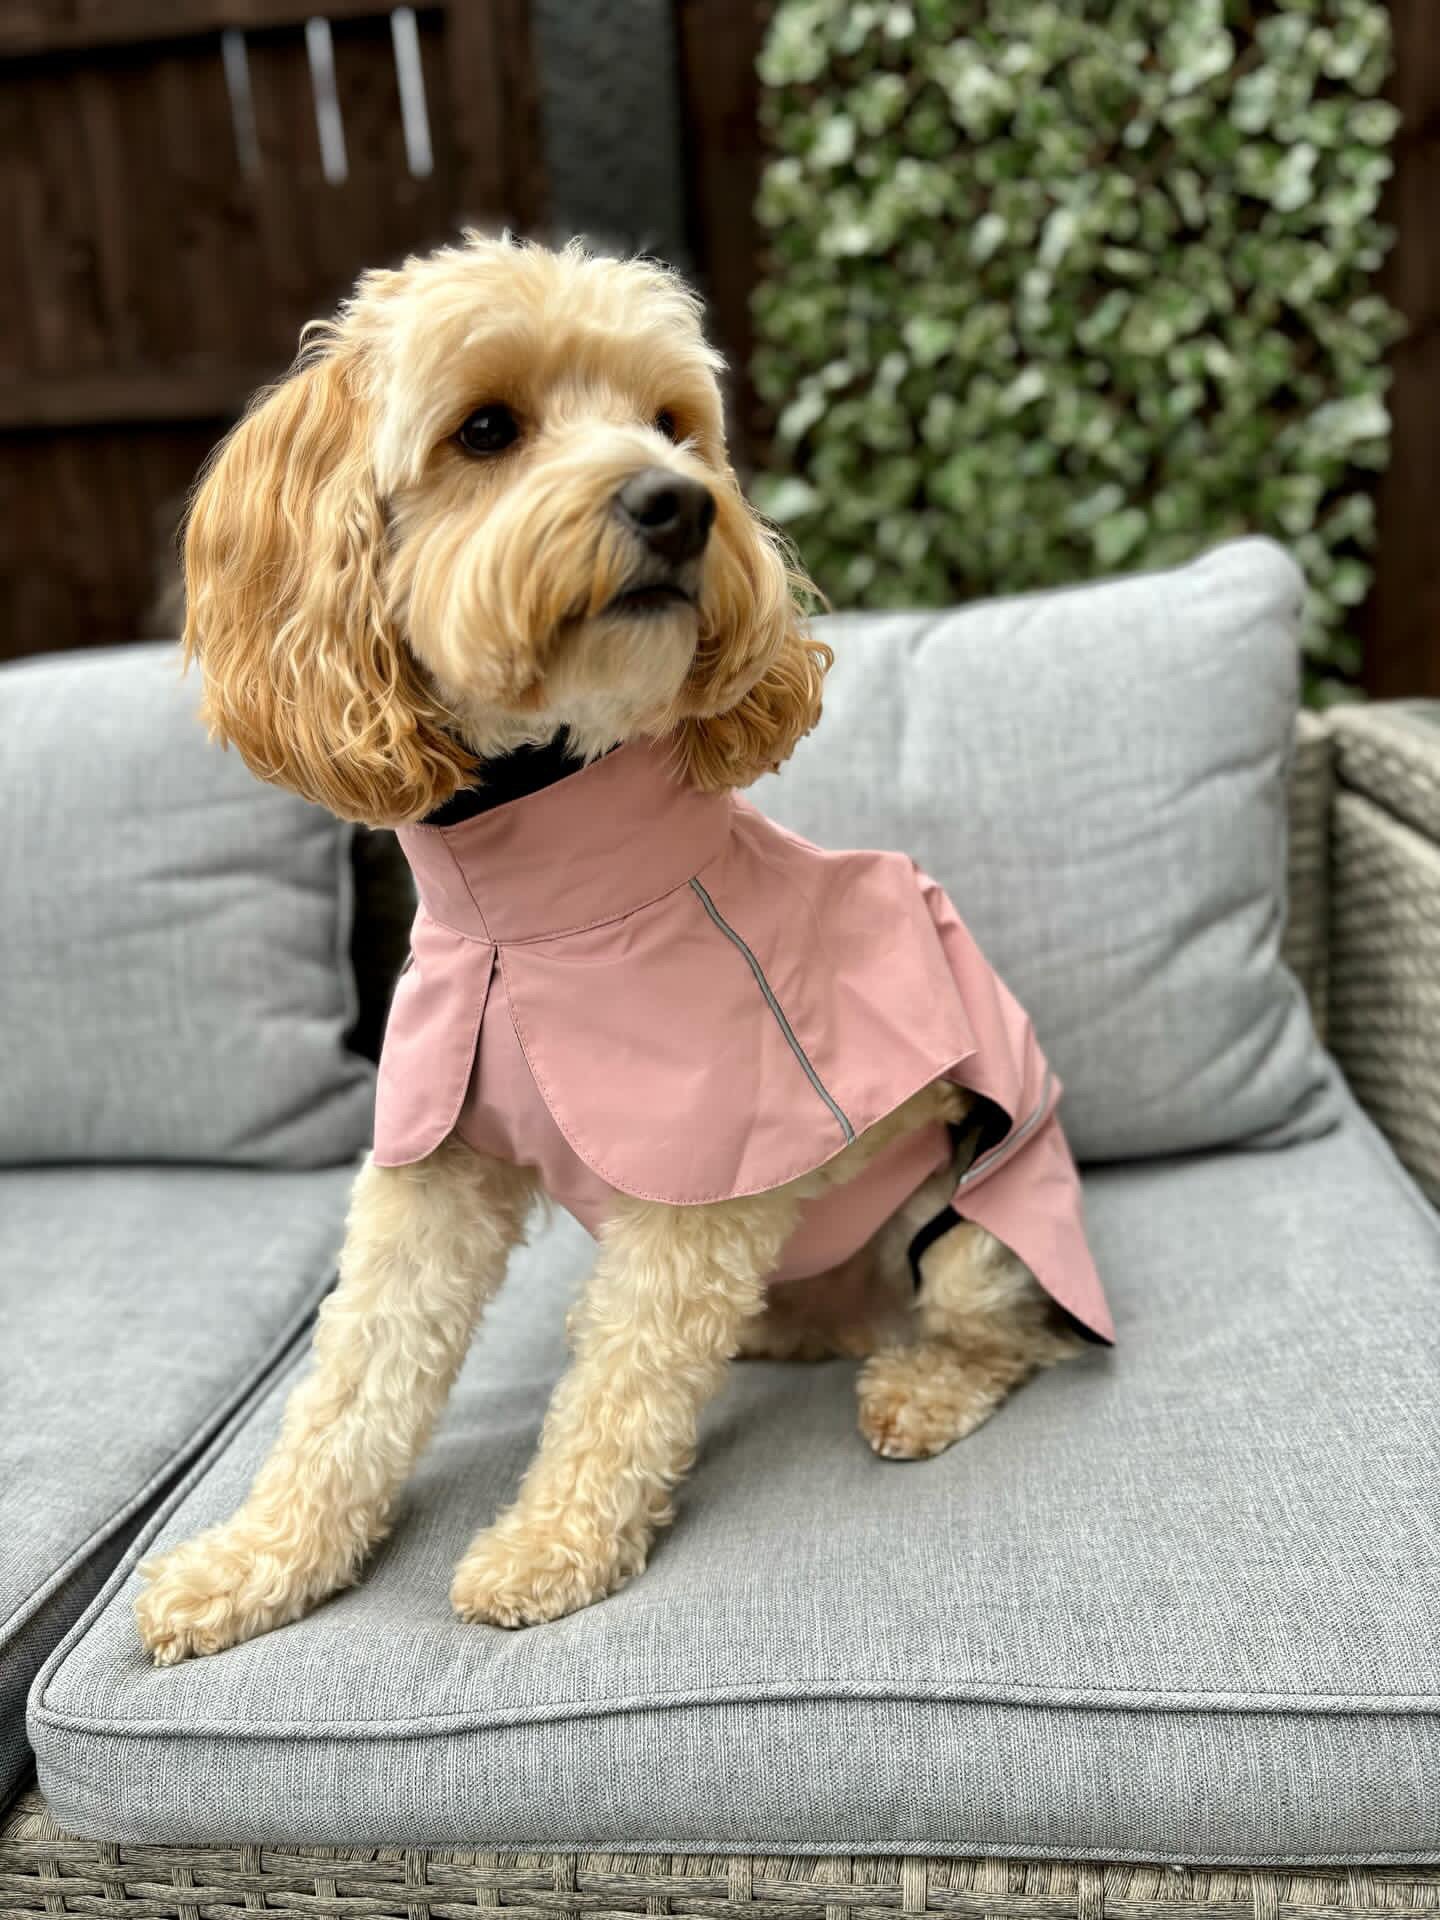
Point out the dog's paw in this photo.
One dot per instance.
(513, 1576)
(914, 1404)
(213, 1592)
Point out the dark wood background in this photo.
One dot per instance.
(150, 279)
(151, 276)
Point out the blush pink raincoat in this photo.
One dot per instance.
(638, 988)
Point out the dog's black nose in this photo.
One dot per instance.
(671, 514)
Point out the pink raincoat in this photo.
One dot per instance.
(638, 988)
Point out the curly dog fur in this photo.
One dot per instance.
(377, 608)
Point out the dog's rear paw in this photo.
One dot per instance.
(916, 1401)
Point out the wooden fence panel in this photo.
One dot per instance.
(172, 231)
(294, 212)
(216, 261)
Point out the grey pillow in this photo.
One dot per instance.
(175, 981)
(1097, 777)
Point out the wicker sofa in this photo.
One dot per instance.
(1363, 937)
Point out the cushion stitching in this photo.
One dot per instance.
(428, 1726)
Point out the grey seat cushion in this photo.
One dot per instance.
(1097, 777)
(138, 1308)
(1178, 1602)
(175, 979)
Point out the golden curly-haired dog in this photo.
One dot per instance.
(402, 563)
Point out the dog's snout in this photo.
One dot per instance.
(670, 513)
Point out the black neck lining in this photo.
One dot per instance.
(510, 776)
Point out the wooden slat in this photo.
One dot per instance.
(719, 44)
(58, 224)
(381, 212)
(136, 188)
(114, 395)
(72, 26)
(84, 538)
(430, 28)
(18, 346)
(215, 255)
(370, 214)
(525, 197)
(167, 464)
(291, 192)
(494, 105)
(37, 598)
(1402, 627)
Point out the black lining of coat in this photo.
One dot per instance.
(509, 776)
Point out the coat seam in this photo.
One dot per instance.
(562, 933)
(464, 879)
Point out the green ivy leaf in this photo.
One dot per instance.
(1060, 286)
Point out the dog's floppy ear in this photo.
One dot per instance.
(285, 551)
(758, 678)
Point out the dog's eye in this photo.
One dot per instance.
(489, 430)
(665, 423)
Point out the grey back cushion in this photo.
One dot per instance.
(1097, 777)
(175, 980)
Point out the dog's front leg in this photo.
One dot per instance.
(426, 1246)
(661, 1316)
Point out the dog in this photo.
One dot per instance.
(479, 569)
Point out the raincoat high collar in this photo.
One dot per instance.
(592, 847)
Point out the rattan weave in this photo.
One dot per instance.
(1384, 987)
(43, 1872)
(1385, 978)
(1391, 753)
(1307, 922)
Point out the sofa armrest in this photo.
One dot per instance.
(1383, 988)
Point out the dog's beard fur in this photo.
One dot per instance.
(374, 608)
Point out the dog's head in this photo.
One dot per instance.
(492, 500)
